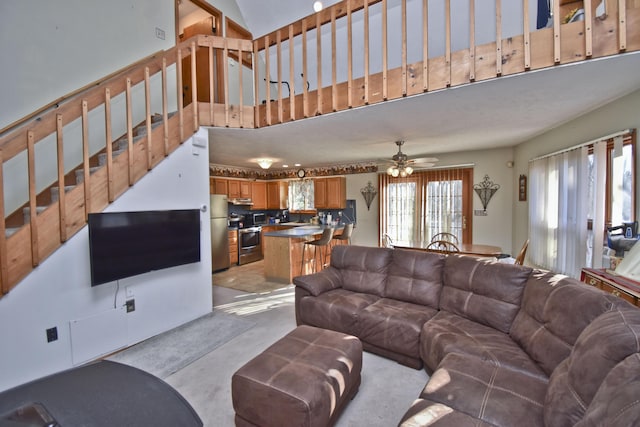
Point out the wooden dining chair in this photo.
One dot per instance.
(446, 236)
(442, 246)
(522, 253)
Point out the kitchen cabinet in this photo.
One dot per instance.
(277, 194)
(218, 186)
(330, 193)
(233, 247)
(259, 195)
(238, 189)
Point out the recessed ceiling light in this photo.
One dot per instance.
(317, 6)
(297, 164)
(285, 166)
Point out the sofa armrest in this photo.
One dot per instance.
(320, 282)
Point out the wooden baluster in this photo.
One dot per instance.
(165, 107)
(130, 132)
(622, 25)
(109, 149)
(147, 102)
(194, 86)
(472, 40)
(225, 76)
(180, 99)
(62, 204)
(556, 31)
(279, 71)
(319, 59)
(240, 86)
(85, 157)
(366, 52)
(404, 47)
(256, 87)
(349, 56)
(385, 53)
(425, 45)
(292, 78)
(212, 93)
(4, 280)
(33, 218)
(527, 35)
(447, 49)
(267, 79)
(334, 63)
(498, 37)
(588, 26)
(305, 78)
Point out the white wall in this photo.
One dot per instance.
(493, 229)
(59, 290)
(618, 115)
(52, 48)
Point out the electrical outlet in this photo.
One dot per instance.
(52, 334)
(131, 305)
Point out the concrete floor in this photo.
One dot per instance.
(387, 389)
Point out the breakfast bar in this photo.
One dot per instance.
(283, 251)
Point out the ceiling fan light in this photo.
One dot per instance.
(390, 170)
(265, 163)
(395, 172)
(403, 173)
(409, 170)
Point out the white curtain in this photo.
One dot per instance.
(566, 191)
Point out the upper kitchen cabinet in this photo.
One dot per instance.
(239, 189)
(277, 194)
(330, 193)
(259, 195)
(218, 186)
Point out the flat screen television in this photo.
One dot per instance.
(125, 244)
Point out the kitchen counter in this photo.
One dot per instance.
(283, 250)
(303, 230)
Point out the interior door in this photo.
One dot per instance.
(206, 27)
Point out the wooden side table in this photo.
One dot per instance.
(616, 285)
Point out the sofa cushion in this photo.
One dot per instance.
(415, 277)
(555, 310)
(424, 412)
(363, 269)
(487, 391)
(394, 325)
(616, 403)
(449, 333)
(607, 341)
(484, 291)
(335, 310)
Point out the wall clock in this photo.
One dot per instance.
(301, 173)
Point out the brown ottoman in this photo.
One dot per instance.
(304, 379)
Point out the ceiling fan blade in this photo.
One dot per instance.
(423, 160)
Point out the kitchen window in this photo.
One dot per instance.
(301, 195)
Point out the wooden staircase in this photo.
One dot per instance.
(51, 215)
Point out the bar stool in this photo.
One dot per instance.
(318, 244)
(345, 236)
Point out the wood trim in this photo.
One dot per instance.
(319, 90)
(305, 75)
(292, 76)
(588, 25)
(349, 56)
(556, 33)
(267, 79)
(498, 37)
(447, 43)
(62, 205)
(366, 53)
(180, 95)
(403, 16)
(256, 87)
(527, 36)
(334, 63)
(165, 107)
(622, 25)
(194, 83)
(130, 131)
(147, 103)
(385, 52)
(472, 40)
(225, 76)
(279, 74)
(4, 277)
(212, 83)
(86, 167)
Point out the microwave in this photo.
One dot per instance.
(259, 219)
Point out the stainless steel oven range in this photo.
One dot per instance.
(249, 245)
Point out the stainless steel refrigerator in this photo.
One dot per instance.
(219, 235)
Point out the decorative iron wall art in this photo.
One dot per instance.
(369, 193)
(485, 190)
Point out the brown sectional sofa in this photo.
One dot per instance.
(505, 345)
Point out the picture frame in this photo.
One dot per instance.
(522, 188)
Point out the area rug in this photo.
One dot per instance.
(173, 350)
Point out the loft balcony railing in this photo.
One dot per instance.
(80, 152)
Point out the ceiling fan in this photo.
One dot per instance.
(402, 165)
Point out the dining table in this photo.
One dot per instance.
(475, 249)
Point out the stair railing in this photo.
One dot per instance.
(79, 154)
